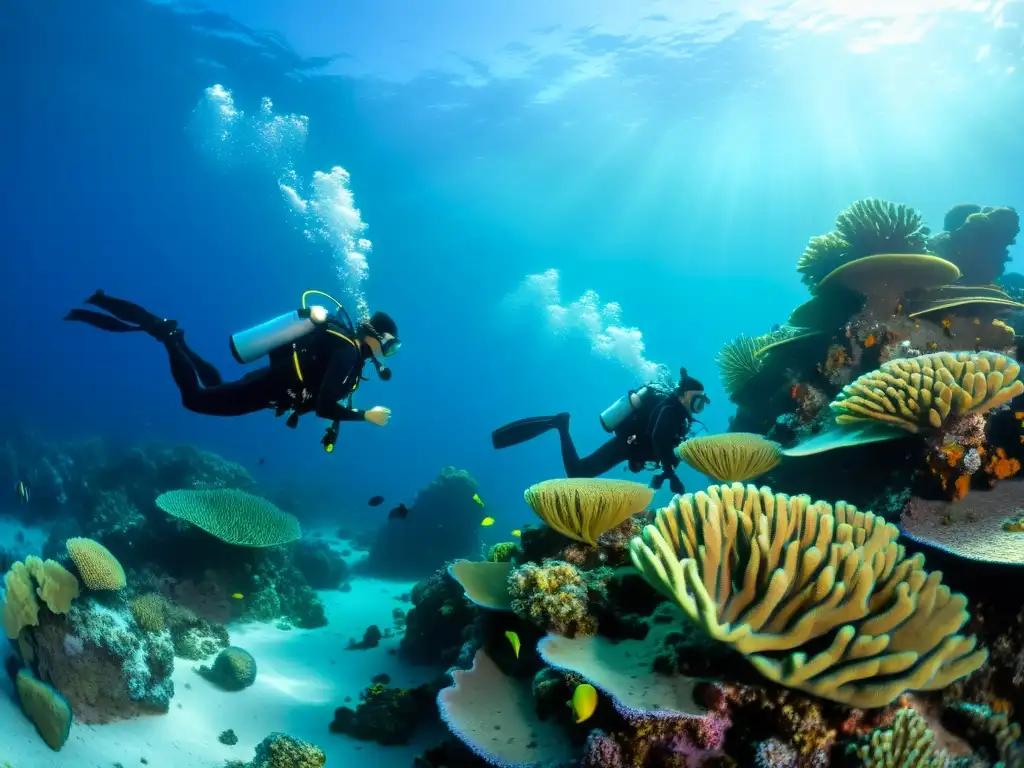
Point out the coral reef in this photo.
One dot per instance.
(435, 625)
(734, 457)
(585, 508)
(99, 658)
(443, 524)
(809, 570)
(386, 715)
(281, 751)
(558, 597)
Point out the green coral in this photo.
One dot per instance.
(236, 517)
(868, 227)
(910, 743)
(46, 708)
(233, 670)
(148, 611)
(503, 552)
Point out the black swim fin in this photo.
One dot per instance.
(132, 317)
(101, 321)
(525, 429)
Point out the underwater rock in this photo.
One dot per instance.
(443, 524)
(106, 666)
(228, 737)
(385, 715)
(371, 639)
(234, 669)
(321, 566)
(436, 623)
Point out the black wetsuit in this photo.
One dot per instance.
(648, 435)
(331, 368)
(311, 375)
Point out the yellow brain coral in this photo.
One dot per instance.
(98, 567)
(770, 574)
(233, 516)
(921, 393)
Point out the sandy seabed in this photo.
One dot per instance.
(303, 676)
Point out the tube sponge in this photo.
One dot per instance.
(46, 708)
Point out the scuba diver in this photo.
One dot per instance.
(316, 360)
(648, 424)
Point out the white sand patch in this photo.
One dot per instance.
(303, 676)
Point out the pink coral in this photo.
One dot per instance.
(602, 751)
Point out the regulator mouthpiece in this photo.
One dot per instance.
(382, 370)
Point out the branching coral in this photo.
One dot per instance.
(869, 226)
(558, 597)
(768, 573)
(922, 393)
(910, 743)
(741, 359)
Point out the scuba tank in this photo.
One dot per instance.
(253, 343)
(616, 413)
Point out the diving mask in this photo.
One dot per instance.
(698, 402)
(389, 345)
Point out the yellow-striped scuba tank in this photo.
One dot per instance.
(283, 335)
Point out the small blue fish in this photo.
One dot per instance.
(776, 327)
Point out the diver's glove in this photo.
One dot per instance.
(674, 483)
(378, 415)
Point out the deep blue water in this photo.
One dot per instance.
(674, 164)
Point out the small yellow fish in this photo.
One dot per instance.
(517, 533)
(23, 492)
(584, 702)
(477, 499)
(237, 596)
(487, 521)
(513, 638)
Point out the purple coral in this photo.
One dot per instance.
(602, 751)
